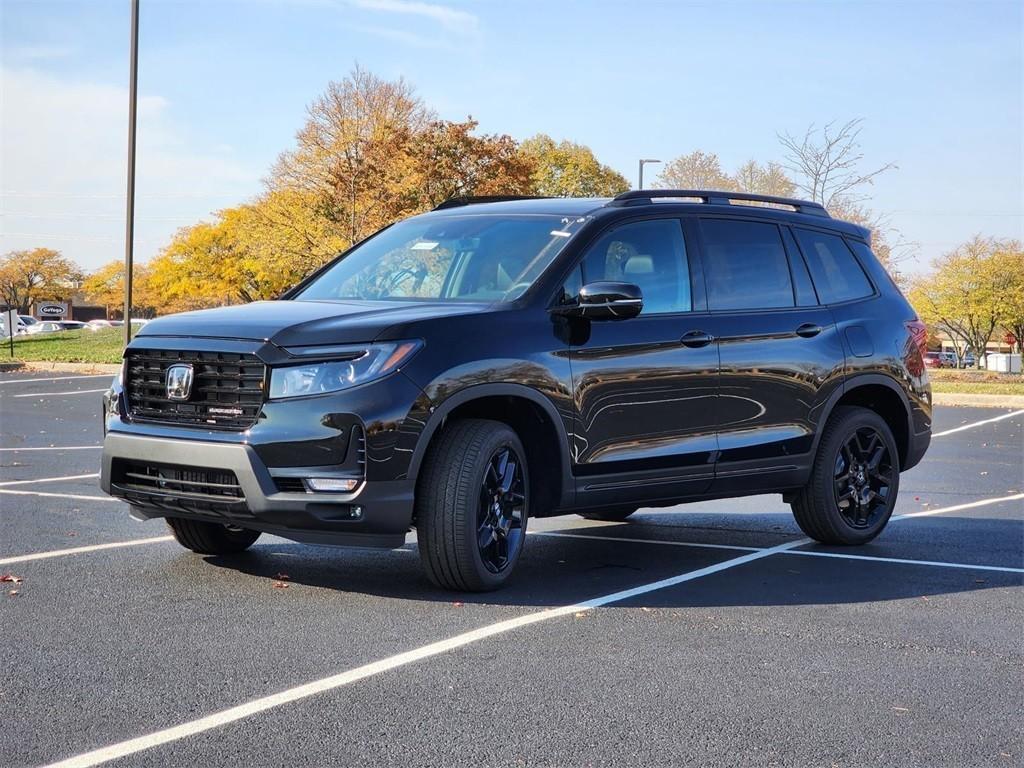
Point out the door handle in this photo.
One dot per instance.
(695, 339)
(808, 330)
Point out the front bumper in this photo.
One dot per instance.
(384, 507)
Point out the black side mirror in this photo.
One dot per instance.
(606, 300)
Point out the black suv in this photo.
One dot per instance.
(497, 359)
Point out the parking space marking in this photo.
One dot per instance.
(957, 507)
(5, 483)
(58, 495)
(692, 544)
(262, 704)
(57, 448)
(62, 394)
(805, 552)
(57, 378)
(80, 550)
(905, 561)
(972, 425)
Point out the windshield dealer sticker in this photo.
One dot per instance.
(424, 246)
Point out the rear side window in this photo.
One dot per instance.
(834, 269)
(745, 265)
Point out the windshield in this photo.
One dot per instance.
(451, 258)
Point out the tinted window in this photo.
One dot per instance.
(836, 273)
(650, 254)
(745, 265)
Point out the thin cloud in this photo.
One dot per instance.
(35, 53)
(451, 19)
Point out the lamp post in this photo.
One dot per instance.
(644, 162)
(129, 230)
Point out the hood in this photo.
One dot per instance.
(296, 323)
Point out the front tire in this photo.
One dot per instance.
(211, 538)
(854, 481)
(472, 506)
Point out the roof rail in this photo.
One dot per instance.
(711, 197)
(456, 202)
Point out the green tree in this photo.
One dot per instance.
(567, 169)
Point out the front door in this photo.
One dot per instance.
(644, 389)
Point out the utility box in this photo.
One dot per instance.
(1003, 363)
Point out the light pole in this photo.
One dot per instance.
(129, 229)
(642, 164)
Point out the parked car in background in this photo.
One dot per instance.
(465, 370)
(967, 361)
(28, 321)
(71, 325)
(99, 324)
(948, 359)
(933, 360)
(45, 326)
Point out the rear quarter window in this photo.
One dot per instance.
(836, 272)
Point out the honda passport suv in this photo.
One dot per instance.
(499, 359)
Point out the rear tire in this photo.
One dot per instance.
(854, 482)
(472, 506)
(611, 515)
(211, 538)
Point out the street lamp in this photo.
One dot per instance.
(642, 164)
(129, 234)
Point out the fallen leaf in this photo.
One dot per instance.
(10, 577)
(282, 577)
(458, 603)
(983, 473)
(645, 609)
(13, 592)
(280, 585)
(581, 614)
(917, 498)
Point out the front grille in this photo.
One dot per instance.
(173, 487)
(227, 388)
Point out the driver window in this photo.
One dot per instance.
(650, 254)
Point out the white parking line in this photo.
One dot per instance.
(974, 424)
(57, 448)
(57, 378)
(905, 561)
(80, 550)
(61, 394)
(957, 507)
(262, 704)
(5, 483)
(58, 495)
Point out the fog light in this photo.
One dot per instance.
(331, 484)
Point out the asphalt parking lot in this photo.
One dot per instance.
(707, 634)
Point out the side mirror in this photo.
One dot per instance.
(607, 300)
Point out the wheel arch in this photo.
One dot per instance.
(532, 416)
(882, 394)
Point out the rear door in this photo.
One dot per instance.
(644, 391)
(780, 353)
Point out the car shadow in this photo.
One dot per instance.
(570, 566)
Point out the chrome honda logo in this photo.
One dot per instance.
(179, 382)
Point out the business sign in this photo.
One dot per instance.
(52, 309)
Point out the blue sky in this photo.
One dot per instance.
(224, 85)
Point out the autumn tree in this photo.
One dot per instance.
(967, 292)
(106, 286)
(568, 169)
(768, 179)
(31, 275)
(449, 160)
(353, 156)
(1009, 262)
(697, 170)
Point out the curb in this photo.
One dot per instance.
(965, 399)
(110, 368)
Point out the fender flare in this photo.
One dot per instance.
(853, 382)
(477, 391)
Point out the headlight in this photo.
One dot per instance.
(359, 364)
